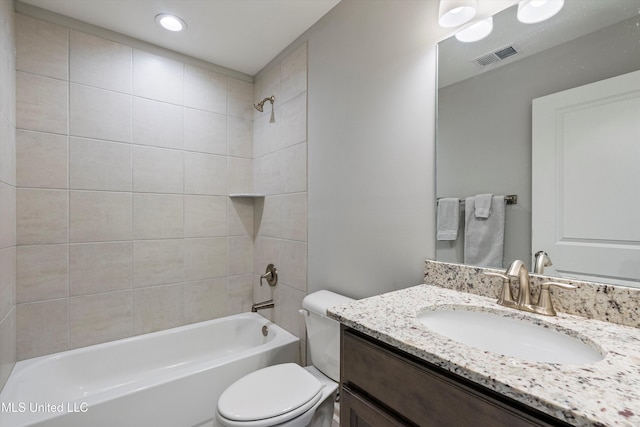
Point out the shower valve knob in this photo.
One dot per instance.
(271, 275)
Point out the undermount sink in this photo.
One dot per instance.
(493, 332)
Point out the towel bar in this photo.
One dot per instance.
(510, 199)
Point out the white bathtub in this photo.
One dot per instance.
(171, 378)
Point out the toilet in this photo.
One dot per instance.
(288, 394)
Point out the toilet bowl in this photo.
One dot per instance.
(288, 394)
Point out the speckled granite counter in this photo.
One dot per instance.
(605, 393)
(616, 304)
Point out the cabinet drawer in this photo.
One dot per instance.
(358, 411)
(419, 394)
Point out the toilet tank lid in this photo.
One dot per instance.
(318, 302)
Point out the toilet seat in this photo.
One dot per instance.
(269, 396)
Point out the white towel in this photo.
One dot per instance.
(484, 237)
(482, 205)
(448, 219)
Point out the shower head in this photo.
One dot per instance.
(259, 106)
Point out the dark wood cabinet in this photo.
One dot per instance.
(382, 386)
(362, 413)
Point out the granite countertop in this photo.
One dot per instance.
(604, 393)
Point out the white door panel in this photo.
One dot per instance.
(586, 180)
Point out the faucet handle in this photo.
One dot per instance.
(544, 305)
(271, 275)
(491, 273)
(505, 298)
(547, 285)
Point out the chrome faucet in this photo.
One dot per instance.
(519, 269)
(542, 261)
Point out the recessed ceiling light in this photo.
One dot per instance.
(170, 22)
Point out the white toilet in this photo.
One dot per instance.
(288, 394)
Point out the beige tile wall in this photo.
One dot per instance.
(7, 191)
(124, 163)
(280, 172)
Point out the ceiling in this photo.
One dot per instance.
(245, 35)
(577, 18)
(242, 35)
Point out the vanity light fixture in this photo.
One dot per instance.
(533, 11)
(171, 22)
(477, 31)
(456, 12)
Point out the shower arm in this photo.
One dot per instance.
(260, 105)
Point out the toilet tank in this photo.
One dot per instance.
(323, 333)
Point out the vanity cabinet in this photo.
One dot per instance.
(382, 386)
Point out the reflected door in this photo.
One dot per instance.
(586, 180)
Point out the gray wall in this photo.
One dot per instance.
(371, 146)
(484, 123)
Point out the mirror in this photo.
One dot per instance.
(484, 111)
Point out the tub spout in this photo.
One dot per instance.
(261, 305)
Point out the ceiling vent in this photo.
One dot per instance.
(496, 56)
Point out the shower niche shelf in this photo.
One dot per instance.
(247, 196)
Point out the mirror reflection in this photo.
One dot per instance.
(484, 141)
